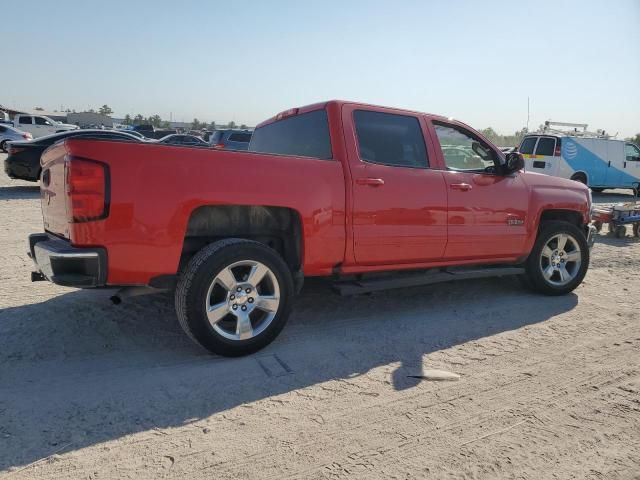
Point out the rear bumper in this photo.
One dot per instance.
(66, 265)
(591, 235)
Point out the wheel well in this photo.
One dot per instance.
(278, 227)
(570, 216)
(578, 175)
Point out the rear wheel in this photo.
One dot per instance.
(234, 297)
(3, 145)
(580, 177)
(597, 189)
(559, 259)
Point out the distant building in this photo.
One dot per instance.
(87, 119)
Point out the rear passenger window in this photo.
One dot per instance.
(546, 146)
(25, 120)
(215, 137)
(240, 137)
(305, 135)
(390, 139)
(527, 145)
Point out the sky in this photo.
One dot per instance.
(476, 61)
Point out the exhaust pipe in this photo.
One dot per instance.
(128, 292)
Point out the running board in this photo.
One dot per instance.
(355, 287)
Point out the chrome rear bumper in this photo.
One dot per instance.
(66, 265)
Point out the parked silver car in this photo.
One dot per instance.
(10, 134)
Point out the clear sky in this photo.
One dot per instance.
(477, 61)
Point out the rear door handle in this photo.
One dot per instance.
(460, 186)
(372, 182)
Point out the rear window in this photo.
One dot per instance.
(527, 145)
(305, 135)
(390, 139)
(240, 137)
(215, 137)
(546, 146)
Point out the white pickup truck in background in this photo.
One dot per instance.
(39, 125)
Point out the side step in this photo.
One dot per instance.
(355, 287)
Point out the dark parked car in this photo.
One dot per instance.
(183, 139)
(149, 131)
(231, 139)
(23, 161)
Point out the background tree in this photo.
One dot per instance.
(155, 120)
(212, 126)
(127, 119)
(105, 110)
(39, 109)
(635, 139)
(243, 126)
(166, 124)
(195, 125)
(138, 119)
(232, 124)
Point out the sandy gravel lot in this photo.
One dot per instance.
(548, 388)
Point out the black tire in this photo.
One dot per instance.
(597, 189)
(620, 231)
(194, 284)
(533, 264)
(580, 177)
(3, 145)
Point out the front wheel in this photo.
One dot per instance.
(3, 146)
(234, 297)
(559, 259)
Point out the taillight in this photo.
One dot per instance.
(13, 150)
(87, 190)
(557, 152)
(27, 136)
(219, 145)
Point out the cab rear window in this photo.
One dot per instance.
(527, 145)
(305, 135)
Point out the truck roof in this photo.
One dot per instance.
(340, 103)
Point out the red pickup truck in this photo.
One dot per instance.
(372, 197)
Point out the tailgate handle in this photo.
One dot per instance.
(460, 186)
(372, 182)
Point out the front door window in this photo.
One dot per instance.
(462, 152)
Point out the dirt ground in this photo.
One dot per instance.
(547, 388)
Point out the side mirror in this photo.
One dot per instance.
(514, 163)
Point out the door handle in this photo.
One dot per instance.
(372, 182)
(609, 163)
(460, 186)
(625, 164)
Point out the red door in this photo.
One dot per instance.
(487, 211)
(399, 205)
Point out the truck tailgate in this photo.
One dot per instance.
(52, 190)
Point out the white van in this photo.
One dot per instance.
(39, 125)
(594, 159)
